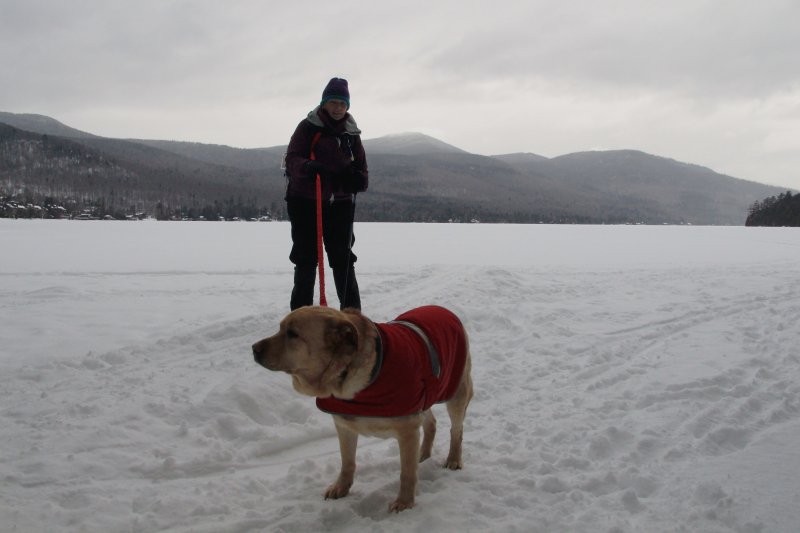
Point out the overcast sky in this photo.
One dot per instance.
(711, 82)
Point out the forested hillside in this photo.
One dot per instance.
(781, 210)
(122, 179)
(50, 169)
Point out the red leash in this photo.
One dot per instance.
(320, 257)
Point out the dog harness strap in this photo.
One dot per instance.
(376, 370)
(432, 353)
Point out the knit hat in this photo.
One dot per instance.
(336, 90)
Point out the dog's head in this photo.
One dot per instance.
(315, 345)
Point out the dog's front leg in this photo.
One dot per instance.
(408, 441)
(348, 441)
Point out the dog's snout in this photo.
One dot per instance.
(257, 352)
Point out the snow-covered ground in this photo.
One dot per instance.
(628, 379)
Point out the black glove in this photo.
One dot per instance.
(359, 182)
(312, 168)
(353, 180)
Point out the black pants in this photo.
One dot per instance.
(337, 230)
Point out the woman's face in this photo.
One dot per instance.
(337, 109)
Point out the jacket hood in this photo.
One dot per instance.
(350, 126)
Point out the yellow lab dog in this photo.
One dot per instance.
(378, 380)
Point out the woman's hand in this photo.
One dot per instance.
(312, 168)
(353, 180)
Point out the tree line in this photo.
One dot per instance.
(781, 210)
(27, 203)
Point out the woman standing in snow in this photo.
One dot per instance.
(327, 142)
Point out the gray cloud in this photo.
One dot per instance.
(732, 48)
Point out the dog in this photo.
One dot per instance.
(378, 379)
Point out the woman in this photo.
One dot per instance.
(327, 142)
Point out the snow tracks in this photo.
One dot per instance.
(652, 399)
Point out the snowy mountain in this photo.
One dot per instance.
(42, 124)
(409, 144)
(414, 177)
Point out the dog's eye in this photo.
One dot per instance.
(291, 334)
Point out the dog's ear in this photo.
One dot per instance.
(341, 337)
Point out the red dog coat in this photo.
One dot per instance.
(407, 380)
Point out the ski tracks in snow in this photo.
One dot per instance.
(595, 405)
(612, 391)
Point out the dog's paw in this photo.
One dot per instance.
(400, 505)
(453, 464)
(337, 491)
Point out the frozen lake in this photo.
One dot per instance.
(628, 378)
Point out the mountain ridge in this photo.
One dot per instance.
(42, 124)
(409, 143)
(415, 177)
